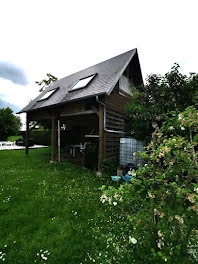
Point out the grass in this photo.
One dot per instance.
(47, 207)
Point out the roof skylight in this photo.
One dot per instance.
(82, 83)
(47, 95)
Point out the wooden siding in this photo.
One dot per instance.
(112, 145)
(73, 107)
(115, 120)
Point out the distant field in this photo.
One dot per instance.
(14, 138)
(50, 212)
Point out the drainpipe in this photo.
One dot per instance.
(105, 111)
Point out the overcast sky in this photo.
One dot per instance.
(62, 37)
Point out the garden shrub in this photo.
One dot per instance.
(42, 137)
(109, 166)
(161, 205)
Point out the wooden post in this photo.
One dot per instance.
(59, 142)
(27, 135)
(101, 137)
(53, 139)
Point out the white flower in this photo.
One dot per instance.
(196, 190)
(152, 196)
(43, 257)
(182, 128)
(180, 116)
(191, 197)
(103, 197)
(160, 234)
(160, 243)
(132, 173)
(115, 203)
(155, 211)
(171, 128)
(132, 240)
(179, 219)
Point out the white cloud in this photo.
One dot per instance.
(16, 94)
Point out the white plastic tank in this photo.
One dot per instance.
(127, 148)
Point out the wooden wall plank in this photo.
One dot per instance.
(101, 137)
(115, 120)
(27, 134)
(53, 138)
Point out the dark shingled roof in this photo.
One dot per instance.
(107, 75)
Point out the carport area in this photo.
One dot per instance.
(76, 132)
(79, 138)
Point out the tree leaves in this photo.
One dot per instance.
(161, 95)
(9, 123)
(46, 82)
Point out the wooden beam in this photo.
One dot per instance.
(53, 139)
(95, 110)
(59, 143)
(88, 112)
(32, 127)
(27, 135)
(101, 137)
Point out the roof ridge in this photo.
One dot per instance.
(135, 49)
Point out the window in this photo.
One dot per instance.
(82, 83)
(126, 84)
(48, 94)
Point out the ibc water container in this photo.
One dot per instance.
(127, 148)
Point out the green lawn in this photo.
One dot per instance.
(51, 208)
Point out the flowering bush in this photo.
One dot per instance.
(132, 173)
(161, 204)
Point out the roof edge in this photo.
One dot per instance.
(65, 102)
(134, 52)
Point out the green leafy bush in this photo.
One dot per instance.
(109, 166)
(161, 94)
(42, 137)
(161, 204)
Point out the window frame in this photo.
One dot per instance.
(72, 89)
(43, 99)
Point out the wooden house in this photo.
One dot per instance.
(91, 103)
